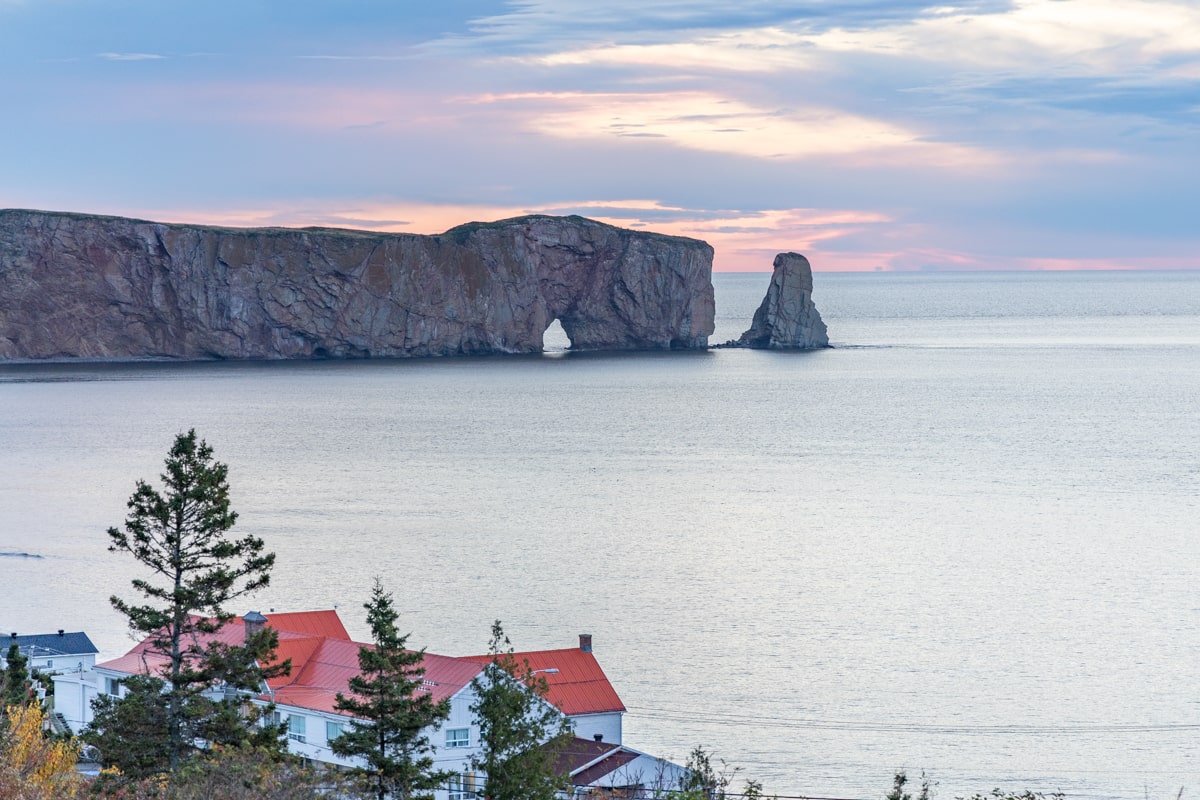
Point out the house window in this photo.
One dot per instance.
(50, 663)
(333, 730)
(296, 728)
(458, 737)
(112, 686)
(462, 787)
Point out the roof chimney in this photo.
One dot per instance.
(585, 642)
(599, 737)
(60, 632)
(254, 623)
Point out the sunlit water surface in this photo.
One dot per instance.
(964, 540)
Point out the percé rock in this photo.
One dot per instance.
(787, 318)
(82, 286)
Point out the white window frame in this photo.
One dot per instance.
(462, 787)
(453, 741)
(297, 728)
(112, 686)
(338, 729)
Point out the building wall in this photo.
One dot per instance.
(43, 662)
(316, 744)
(607, 725)
(62, 663)
(73, 696)
(653, 773)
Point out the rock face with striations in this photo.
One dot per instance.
(78, 286)
(787, 318)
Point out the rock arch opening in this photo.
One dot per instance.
(555, 339)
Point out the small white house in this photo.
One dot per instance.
(67, 658)
(52, 652)
(593, 767)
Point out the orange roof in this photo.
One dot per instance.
(579, 686)
(290, 627)
(324, 659)
(323, 656)
(316, 683)
(313, 623)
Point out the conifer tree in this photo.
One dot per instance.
(181, 535)
(132, 732)
(392, 710)
(519, 731)
(14, 686)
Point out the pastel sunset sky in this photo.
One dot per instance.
(867, 134)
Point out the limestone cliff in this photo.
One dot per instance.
(787, 318)
(78, 286)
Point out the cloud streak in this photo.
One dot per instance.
(872, 134)
(130, 56)
(710, 122)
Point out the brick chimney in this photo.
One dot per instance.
(585, 642)
(254, 623)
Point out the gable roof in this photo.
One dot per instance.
(41, 645)
(326, 670)
(580, 685)
(313, 623)
(293, 630)
(323, 657)
(584, 762)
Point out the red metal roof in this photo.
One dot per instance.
(579, 686)
(324, 659)
(313, 623)
(315, 683)
(290, 627)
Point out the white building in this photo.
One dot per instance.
(324, 659)
(52, 652)
(68, 657)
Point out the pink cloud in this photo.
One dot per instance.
(743, 241)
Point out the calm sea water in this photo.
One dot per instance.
(964, 540)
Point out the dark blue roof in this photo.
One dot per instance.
(50, 644)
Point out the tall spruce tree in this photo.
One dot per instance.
(181, 535)
(14, 685)
(392, 711)
(520, 732)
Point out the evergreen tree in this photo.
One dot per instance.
(519, 731)
(182, 536)
(392, 711)
(132, 733)
(14, 686)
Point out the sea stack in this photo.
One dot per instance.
(787, 318)
(76, 286)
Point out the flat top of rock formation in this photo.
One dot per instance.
(87, 286)
(457, 234)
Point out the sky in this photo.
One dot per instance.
(866, 134)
